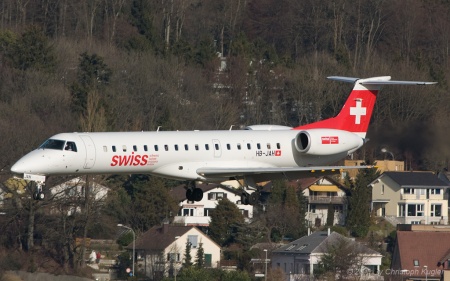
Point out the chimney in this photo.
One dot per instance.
(329, 231)
(309, 231)
(165, 226)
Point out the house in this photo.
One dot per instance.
(300, 258)
(421, 252)
(161, 250)
(410, 198)
(322, 193)
(197, 213)
(70, 192)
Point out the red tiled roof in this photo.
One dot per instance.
(427, 247)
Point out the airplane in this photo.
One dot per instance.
(255, 154)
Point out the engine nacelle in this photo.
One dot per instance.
(327, 141)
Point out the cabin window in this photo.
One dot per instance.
(268, 146)
(114, 148)
(176, 147)
(70, 146)
(156, 147)
(166, 147)
(53, 144)
(186, 147)
(249, 146)
(216, 145)
(124, 148)
(228, 146)
(134, 148)
(278, 145)
(145, 148)
(196, 147)
(258, 145)
(207, 146)
(239, 146)
(105, 148)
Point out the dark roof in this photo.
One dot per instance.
(318, 242)
(158, 238)
(304, 183)
(336, 238)
(428, 247)
(416, 179)
(303, 245)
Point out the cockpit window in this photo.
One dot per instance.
(53, 144)
(70, 146)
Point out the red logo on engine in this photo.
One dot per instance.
(129, 160)
(277, 152)
(330, 140)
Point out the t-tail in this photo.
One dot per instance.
(356, 113)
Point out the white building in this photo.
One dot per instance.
(160, 251)
(301, 257)
(410, 198)
(197, 213)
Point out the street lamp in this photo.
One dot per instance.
(265, 266)
(384, 150)
(426, 272)
(134, 242)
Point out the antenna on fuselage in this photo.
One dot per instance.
(158, 128)
(231, 127)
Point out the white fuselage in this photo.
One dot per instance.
(174, 154)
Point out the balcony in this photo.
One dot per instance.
(192, 220)
(338, 200)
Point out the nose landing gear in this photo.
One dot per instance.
(39, 183)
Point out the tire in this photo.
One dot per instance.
(198, 194)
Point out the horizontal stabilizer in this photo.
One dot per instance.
(382, 80)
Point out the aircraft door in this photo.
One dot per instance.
(217, 148)
(90, 151)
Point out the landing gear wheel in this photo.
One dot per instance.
(253, 198)
(190, 194)
(244, 198)
(41, 196)
(197, 194)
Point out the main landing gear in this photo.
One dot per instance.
(250, 198)
(193, 193)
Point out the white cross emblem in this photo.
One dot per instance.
(358, 111)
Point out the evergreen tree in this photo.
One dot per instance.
(187, 256)
(330, 215)
(358, 219)
(200, 258)
(224, 219)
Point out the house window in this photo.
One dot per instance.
(173, 257)
(435, 191)
(193, 240)
(313, 208)
(244, 212)
(416, 262)
(188, 212)
(436, 210)
(415, 210)
(216, 195)
(207, 212)
(382, 189)
(408, 191)
(338, 208)
(401, 210)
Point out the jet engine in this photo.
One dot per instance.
(326, 142)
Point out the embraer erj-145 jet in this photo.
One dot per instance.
(258, 153)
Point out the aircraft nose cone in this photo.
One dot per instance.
(17, 168)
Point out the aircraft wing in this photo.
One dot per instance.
(218, 172)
